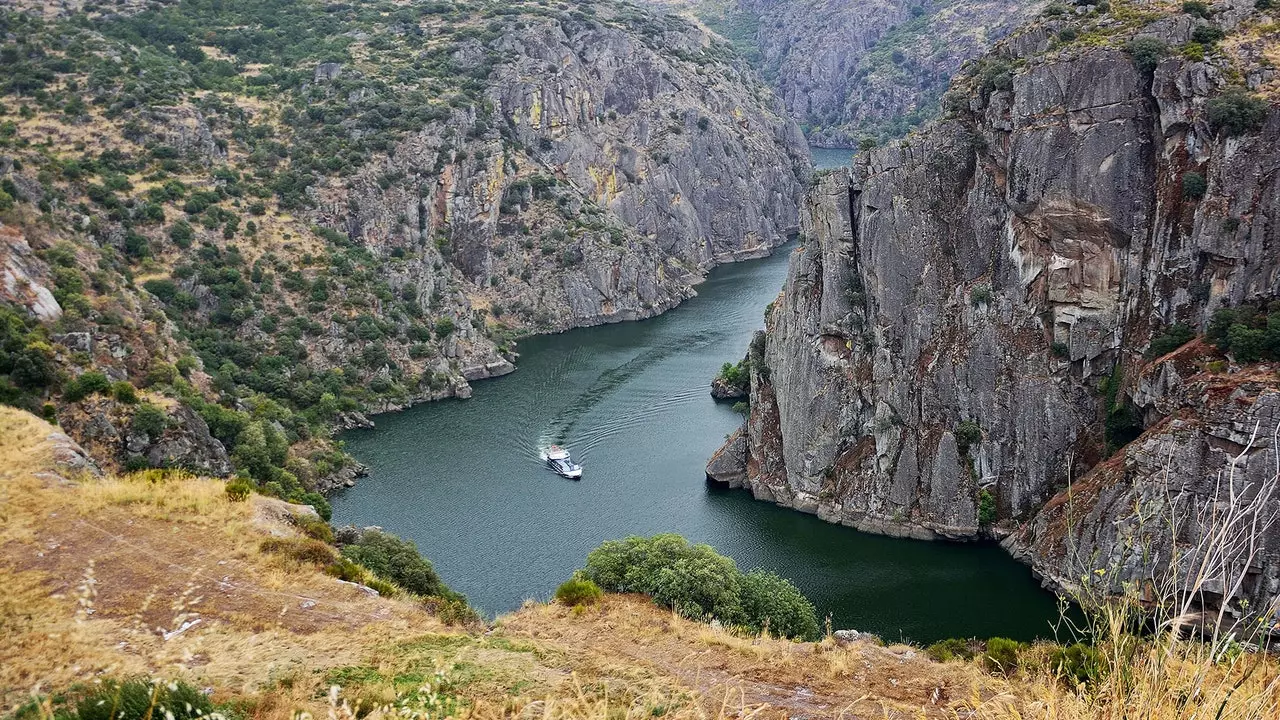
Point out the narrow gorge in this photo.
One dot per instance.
(985, 332)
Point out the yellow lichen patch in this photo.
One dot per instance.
(535, 109)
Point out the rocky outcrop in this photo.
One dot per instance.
(722, 389)
(972, 303)
(1189, 494)
(107, 428)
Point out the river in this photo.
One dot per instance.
(463, 480)
(828, 158)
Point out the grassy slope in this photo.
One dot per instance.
(98, 570)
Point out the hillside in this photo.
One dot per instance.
(119, 576)
(277, 216)
(162, 575)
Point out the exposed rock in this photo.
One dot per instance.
(104, 426)
(722, 389)
(70, 456)
(848, 70)
(965, 299)
(20, 278)
(729, 464)
(1204, 474)
(327, 72)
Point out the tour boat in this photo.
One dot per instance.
(558, 460)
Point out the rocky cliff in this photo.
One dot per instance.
(965, 331)
(282, 215)
(851, 71)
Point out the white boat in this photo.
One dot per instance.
(558, 460)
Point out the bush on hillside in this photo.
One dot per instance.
(138, 699)
(238, 490)
(1077, 664)
(1001, 655)
(700, 584)
(578, 591)
(1147, 53)
(1236, 112)
(1173, 338)
(774, 602)
(1194, 186)
(397, 561)
(124, 391)
(149, 420)
(1249, 334)
(968, 433)
(949, 649)
(85, 385)
(986, 508)
(738, 375)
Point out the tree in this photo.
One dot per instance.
(1236, 112)
(1147, 53)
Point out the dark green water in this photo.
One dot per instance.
(463, 479)
(827, 158)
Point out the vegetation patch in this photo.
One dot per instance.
(699, 583)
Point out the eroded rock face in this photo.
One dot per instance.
(969, 302)
(1188, 493)
(848, 70)
(615, 169)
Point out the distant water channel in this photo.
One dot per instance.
(828, 158)
(463, 479)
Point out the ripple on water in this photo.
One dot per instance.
(465, 480)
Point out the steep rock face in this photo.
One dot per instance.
(664, 157)
(850, 70)
(972, 303)
(1188, 493)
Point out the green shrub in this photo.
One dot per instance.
(397, 561)
(986, 508)
(139, 699)
(307, 551)
(450, 611)
(1247, 333)
(1078, 664)
(1060, 349)
(1194, 186)
(738, 376)
(1196, 8)
(124, 391)
(317, 501)
(1207, 34)
(968, 433)
(776, 603)
(692, 579)
(1236, 112)
(1173, 338)
(950, 649)
(578, 591)
(980, 295)
(238, 490)
(314, 528)
(1001, 655)
(149, 420)
(699, 583)
(85, 385)
(1147, 53)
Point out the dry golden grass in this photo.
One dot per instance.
(159, 574)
